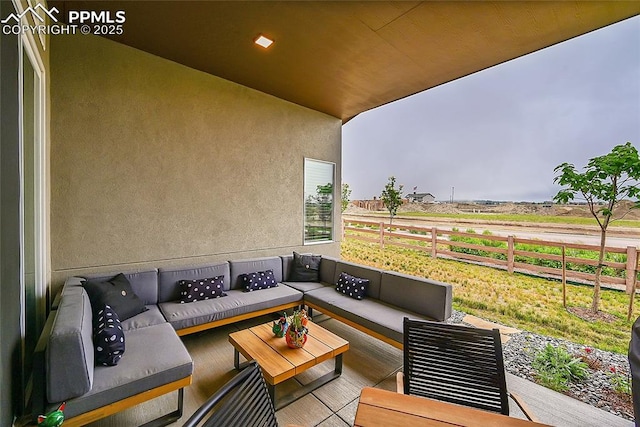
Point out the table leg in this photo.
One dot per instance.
(236, 360)
(306, 389)
(272, 393)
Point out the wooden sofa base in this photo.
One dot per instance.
(123, 404)
(234, 319)
(357, 326)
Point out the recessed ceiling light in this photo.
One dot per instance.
(263, 41)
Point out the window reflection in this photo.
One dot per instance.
(318, 200)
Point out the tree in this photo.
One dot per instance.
(346, 193)
(324, 200)
(391, 197)
(606, 180)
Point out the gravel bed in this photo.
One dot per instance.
(596, 390)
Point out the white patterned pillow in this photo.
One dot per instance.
(201, 289)
(352, 286)
(108, 337)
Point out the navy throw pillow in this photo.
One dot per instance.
(201, 289)
(117, 294)
(258, 280)
(108, 337)
(305, 268)
(352, 286)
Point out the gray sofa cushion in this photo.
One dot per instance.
(328, 269)
(372, 274)
(70, 353)
(253, 265)
(423, 296)
(305, 286)
(155, 356)
(235, 303)
(373, 314)
(151, 317)
(143, 283)
(168, 289)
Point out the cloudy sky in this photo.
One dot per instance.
(498, 134)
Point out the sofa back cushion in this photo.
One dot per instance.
(143, 283)
(328, 269)
(363, 272)
(168, 288)
(424, 296)
(247, 266)
(70, 353)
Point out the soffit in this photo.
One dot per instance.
(343, 58)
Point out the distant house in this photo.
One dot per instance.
(420, 197)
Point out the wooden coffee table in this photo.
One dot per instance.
(279, 362)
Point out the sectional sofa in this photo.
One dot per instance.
(65, 355)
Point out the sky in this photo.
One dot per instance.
(498, 134)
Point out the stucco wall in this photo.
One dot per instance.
(154, 163)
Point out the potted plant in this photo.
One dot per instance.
(296, 334)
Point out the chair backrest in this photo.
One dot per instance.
(454, 363)
(243, 402)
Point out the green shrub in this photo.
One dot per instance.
(555, 368)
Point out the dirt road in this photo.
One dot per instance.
(616, 236)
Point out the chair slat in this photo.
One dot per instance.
(243, 402)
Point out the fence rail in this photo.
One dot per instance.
(503, 252)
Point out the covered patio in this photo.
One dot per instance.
(180, 142)
(368, 363)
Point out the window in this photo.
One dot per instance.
(318, 201)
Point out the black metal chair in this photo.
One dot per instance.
(456, 364)
(244, 401)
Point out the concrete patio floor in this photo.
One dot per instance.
(368, 363)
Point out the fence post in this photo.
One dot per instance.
(381, 235)
(564, 278)
(434, 242)
(510, 257)
(632, 263)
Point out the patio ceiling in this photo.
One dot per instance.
(343, 58)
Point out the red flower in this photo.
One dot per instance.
(613, 369)
(588, 350)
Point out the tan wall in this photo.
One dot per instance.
(154, 163)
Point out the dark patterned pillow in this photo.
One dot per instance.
(117, 294)
(354, 287)
(201, 289)
(108, 337)
(258, 280)
(305, 268)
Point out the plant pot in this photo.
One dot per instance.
(296, 338)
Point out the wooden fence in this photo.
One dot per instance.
(438, 242)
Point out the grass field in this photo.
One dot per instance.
(524, 302)
(545, 219)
